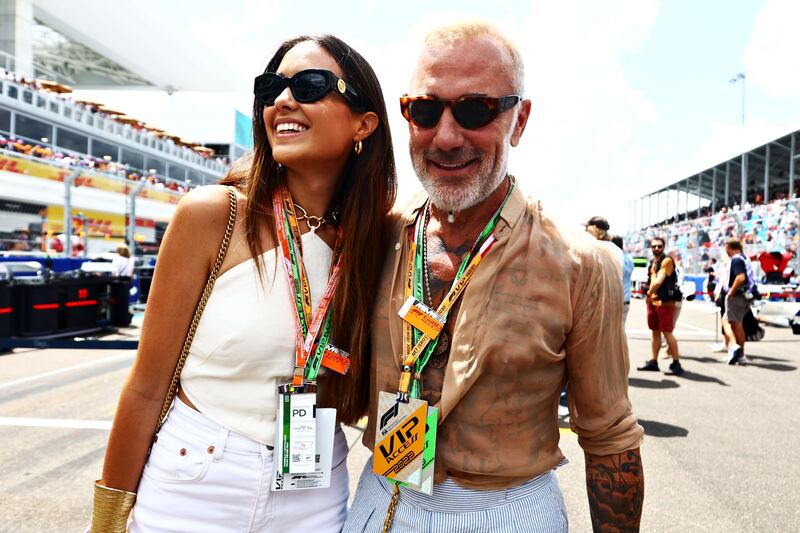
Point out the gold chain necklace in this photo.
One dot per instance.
(314, 222)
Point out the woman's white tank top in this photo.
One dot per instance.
(244, 346)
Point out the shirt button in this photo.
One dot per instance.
(397, 246)
(210, 449)
(182, 452)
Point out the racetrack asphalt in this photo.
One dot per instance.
(720, 452)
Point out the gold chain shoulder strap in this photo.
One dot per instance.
(187, 343)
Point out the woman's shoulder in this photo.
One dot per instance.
(205, 205)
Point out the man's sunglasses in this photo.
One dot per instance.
(656, 246)
(307, 86)
(471, 112)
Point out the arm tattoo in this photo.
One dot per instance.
(615, 485)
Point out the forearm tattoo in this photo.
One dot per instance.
(615, 485)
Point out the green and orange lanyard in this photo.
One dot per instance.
(313, 330)
(418, 347)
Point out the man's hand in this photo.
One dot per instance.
(615, 485)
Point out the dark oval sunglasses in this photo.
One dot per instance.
(471, 112)
(307, 86)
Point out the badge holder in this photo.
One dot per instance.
(405, 442)
(303, 440)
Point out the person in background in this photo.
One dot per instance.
(711, 272)
(122, 264)
(598, 228)
(737, 294)
(675, 255)
(627, 270)
(662, 290)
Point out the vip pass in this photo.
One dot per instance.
(405, 440)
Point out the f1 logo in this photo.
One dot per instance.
(388, 415)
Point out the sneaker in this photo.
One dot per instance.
(744, 360)
(719, 347)
(676, 368)
(651, 365)
(735, 355)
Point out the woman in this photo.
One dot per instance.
(322, 167)
(122, 264)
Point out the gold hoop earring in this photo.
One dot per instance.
(357, 148)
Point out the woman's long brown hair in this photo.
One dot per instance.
(365, 193)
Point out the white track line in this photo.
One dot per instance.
(79, 366)
(54, 423)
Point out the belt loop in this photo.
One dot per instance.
(219, 445)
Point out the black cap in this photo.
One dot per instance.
(599, 223)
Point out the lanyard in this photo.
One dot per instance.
(417, 347)
(311, 338)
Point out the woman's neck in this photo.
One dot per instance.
(311, 191)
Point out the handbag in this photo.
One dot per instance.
(112, 507)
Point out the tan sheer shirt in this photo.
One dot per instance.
(544, 307)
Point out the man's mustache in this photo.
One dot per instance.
(451, 156)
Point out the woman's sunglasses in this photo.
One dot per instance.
(471, 112)
(307, 86)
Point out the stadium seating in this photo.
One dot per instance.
(763, 228)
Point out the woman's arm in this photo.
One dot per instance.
(185, 259)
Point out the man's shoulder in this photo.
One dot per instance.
(738, 262)
(577, 248)
(573, 237)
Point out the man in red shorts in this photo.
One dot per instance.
(662, 293)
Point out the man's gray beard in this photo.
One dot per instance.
(457, 198)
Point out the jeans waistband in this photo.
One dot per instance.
(190, 422)
(449, 497)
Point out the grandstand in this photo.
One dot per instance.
(752, 196)
(45, 136)
(78, 177)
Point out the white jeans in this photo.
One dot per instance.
(202, 478)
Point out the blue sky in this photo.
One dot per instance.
(628, 95)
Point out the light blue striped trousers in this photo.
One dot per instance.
(536, 506)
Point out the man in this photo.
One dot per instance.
(536, 311)
(598, 228)
(737, 296)
(711, 271)
(627, 272)
(662, 292)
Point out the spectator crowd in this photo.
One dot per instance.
(20, 146)
(762, 229)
